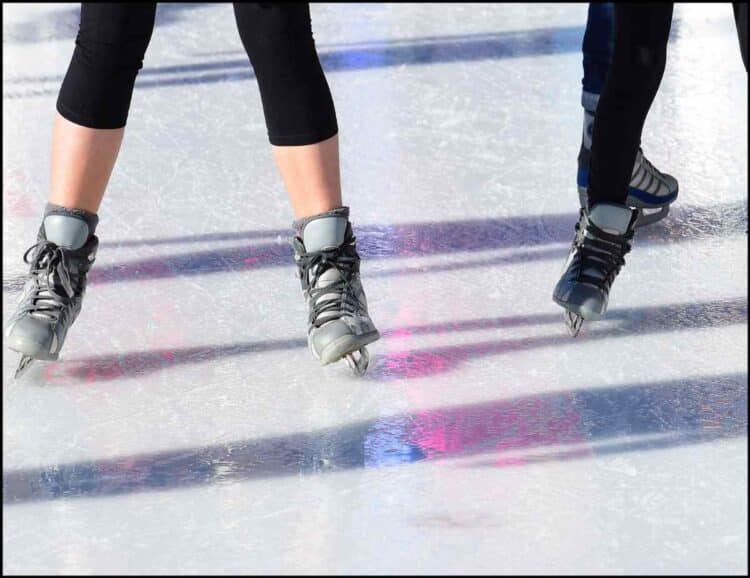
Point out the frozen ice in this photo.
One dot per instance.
(186, 427)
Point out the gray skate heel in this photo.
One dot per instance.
(339, 326)
(597, 254)
(54, 289)
(650, 191)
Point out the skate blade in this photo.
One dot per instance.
(574, 322)
(23, 366)
(644, 219)
(358, 364)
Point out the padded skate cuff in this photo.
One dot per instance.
(91, 219)
(299, 225)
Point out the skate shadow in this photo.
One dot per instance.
(333, 57)
(528, 234)
(139, 363)
(515, 431)
(700, 221)
(378, 54)
(435, 50)
(428, 362)
(418, 363)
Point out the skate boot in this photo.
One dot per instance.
(603, 238)
(54, 289)
(339, 325)
(651, 192)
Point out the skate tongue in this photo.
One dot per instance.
(324, 233)
(611, 218)
(65, 231)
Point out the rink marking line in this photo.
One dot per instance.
(680, 407)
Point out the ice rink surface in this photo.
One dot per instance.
(187, 428)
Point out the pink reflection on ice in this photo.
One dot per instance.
(404, 361)
(410, 364)
(513, 461)
(531, 422)
(15, 200)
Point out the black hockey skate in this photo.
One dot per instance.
(650, 191)
(597, 254)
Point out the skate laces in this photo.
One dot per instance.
(335, 298)
(48, 266)
(601, 251)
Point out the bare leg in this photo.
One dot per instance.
(297, 103)
(302, 128)
(92, 107)
(311, 175)
(82, 162)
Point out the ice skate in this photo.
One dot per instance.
(54, 289)
(603, 238)
(650, 191)
(339, 326)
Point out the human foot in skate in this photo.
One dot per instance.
(603, 238)
(54, 289)
(339, 325)
(650, 191)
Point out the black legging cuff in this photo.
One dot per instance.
(302, 139)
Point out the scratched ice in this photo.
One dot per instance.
(186, 427)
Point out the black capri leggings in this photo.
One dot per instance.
(112, 41)
(636, 70)
(638, 61)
